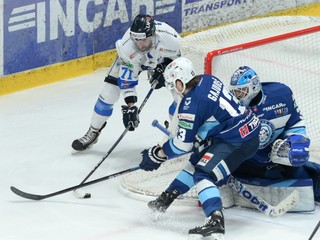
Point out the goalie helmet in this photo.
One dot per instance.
(179, 69)
(142, 32)
(245, 84)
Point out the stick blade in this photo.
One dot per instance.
(26, 195)
(286, 204)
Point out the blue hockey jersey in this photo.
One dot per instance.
(210, 110)
(279, 116)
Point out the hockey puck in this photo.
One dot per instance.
(87, 195)
(80, 194)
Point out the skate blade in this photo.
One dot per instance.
(215, 236)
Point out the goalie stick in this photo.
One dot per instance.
(32, 196)
(272, 211)
(263, 206)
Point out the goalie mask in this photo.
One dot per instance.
(245, 85)
(179, 69)
(142, 33)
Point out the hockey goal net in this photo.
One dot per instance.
(279, 49)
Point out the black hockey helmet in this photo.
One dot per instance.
(143, 26)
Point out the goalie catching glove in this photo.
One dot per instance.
(130, 117)
(150, 159)
(292, 151)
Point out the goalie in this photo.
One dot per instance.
(284, 146)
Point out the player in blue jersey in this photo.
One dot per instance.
(228, 134)
(284, 145)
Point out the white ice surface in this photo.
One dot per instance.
(37, 129)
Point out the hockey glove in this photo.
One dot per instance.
(299, 149)
(292, 151)
(199, 144)
(157, 74)
(150, 160)
(130, 117)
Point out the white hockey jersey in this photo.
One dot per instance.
(132, 62)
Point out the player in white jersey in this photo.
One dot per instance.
(284, 144)
(147, 45)
(209, 112)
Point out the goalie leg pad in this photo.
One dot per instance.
(314, 171)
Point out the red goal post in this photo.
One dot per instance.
(209, 57)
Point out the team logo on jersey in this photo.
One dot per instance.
(123, 62)
(281, 111)
(187, 103)
(166, 50)
(266, 133)
(205, 159)
(274, 107)
(186, 116)
(249, 127)
(185, 125)
(132, 55)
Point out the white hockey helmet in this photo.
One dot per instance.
(179, 69)
(245, 84)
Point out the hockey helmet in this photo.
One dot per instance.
(179, 69)
(143, 27)
(245, 84)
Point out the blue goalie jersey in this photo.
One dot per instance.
(279, 116)
(210, 110)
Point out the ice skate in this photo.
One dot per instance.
(162, 203)
(212, 229)
(90, 138)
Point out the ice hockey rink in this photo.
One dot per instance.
(37, 129)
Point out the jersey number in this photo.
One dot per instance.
(126, 73)
(182, 134)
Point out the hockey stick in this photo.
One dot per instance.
(156, 124)
(40, 197)
(81, 194)
(314, 231)
(272, 211)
